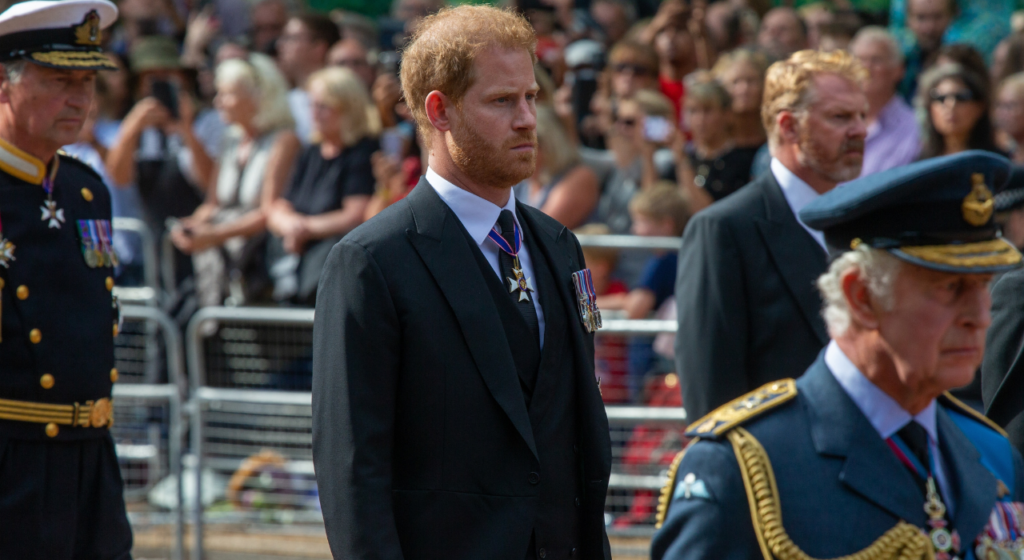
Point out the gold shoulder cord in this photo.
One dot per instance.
(669, 488)
(902, 542)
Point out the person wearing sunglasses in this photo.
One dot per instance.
(956, 101)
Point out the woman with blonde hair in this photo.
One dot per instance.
(224, 235)
(742, 72)
(561, 187)
(330, 187)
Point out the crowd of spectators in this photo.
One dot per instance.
(253, 134)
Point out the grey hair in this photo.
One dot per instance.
(875, 33)
(877, 267)
(13, 70)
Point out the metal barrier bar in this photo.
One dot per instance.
(173, 392)
(630, 242)
(150, 264)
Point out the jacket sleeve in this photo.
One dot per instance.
(1005, 338)
(356, 343)
(711, 302)
(713, 519)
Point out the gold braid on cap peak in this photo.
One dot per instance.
(903, 542)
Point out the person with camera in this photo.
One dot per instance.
(748, 312)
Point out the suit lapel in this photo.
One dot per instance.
(797, 256)
(442, 243)
(973, 485)
(840, 429)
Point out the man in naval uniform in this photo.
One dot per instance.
(867, 453)
(455, 409)
(60, 486)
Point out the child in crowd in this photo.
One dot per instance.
(661, 211)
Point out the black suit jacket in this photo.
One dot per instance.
(748, 309)
(422, 441)
(1002, 372)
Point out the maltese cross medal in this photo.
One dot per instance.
(521, 283)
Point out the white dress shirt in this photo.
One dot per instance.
(478, 216)
(798, 194)
(884, 413)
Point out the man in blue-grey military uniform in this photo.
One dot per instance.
(867, 454)
(60, 486)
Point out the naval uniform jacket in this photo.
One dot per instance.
(840, 486)
(748, 310)
(55, 310)
(423, 441)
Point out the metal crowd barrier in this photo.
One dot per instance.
(150, 263)
(148, 428)
(251, 426)
(630, 242)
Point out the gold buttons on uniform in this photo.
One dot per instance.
(52, 430)
(110, 283)
(113, 375)
(87, 195)
(2, 283)
(22, 292)
(115, 330)
(46, 381)
(35, 336)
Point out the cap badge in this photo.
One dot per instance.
(978, 204)
(88, 32)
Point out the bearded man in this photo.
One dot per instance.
(747, 308)
(455, 412)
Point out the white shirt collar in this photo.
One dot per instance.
(798, 194)
(477, 215)
(884, 413)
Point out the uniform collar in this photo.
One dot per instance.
(20, 164)
(884, 413)
(477, 215)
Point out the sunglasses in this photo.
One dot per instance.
(627, 122)
(961, 96)
(637, 69)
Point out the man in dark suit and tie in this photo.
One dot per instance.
(747, 307)
(455, 410)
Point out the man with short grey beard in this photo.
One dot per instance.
(747, 308)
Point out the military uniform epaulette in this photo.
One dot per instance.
(734, 413)
(79, 164)
(955, 403)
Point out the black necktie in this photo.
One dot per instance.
(916, 438)
(506, 223)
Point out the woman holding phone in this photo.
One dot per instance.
(225, 234)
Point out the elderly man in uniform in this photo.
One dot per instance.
(867, 454)
(60, 487)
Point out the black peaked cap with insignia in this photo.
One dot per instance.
(936, 213)
(60, 34)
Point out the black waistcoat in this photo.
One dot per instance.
(550, 394)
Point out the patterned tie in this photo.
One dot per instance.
(506, 223)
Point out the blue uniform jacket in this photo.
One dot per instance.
(839, 484)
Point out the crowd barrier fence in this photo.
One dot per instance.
(251, 427)
(148, 429)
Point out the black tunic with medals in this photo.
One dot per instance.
(57, 316)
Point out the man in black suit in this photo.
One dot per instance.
(455, 410)
(748, 310)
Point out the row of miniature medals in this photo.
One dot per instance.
(586, 295)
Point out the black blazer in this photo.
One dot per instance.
(1002, 372)
(748, 309)
(422, 441)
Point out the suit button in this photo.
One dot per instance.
(113, 375)
(577, 502)
(35, 335)
(534, 478)
(46, 381)
(542, 553)
(572, 552)
(22, 292)
(52, 430)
